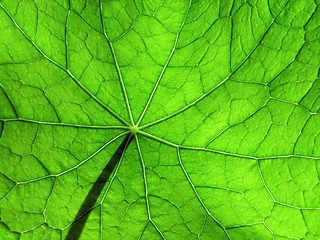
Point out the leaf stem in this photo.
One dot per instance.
(91, 198)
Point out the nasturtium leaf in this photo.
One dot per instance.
(221, 98)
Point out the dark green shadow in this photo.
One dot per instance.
(91, 199)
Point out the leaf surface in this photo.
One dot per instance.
(222, 97)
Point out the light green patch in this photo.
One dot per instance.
(221, 99)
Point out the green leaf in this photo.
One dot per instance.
(222, 97)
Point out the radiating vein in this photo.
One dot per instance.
(104, 106)
(124, 92)
(198, 196)
(88, 204)
(146, 187)
(222, 152)
(62, 124)
(79, 164)
(164, 67)
(218, 85)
